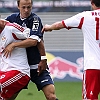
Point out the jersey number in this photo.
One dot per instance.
(97, 28)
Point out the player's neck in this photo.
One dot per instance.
(22, 18)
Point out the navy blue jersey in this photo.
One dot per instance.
(34, 23)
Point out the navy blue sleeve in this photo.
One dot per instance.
(11, 18)
(37, 27)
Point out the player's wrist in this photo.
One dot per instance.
(13, 44)
(43, 58)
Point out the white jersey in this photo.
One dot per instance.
(18, 58)
(89, 23)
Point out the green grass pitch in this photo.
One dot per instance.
(64, 91)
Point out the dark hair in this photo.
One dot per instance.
(96, 2)
(18, 1)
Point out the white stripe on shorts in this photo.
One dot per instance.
(12, 80)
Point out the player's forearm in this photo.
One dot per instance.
(41, 48)
(56, 26)
(25, 43)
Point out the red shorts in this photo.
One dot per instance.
(91, 84)
(12, 82)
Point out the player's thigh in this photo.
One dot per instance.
(91, 84)
(42, 80)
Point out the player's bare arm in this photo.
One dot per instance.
(25, 43)
(28, 43)
(43, 63)
(54, 26)
(7, 51)
(22, 44)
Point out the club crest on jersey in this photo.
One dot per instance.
(2, 43)
(3, 38)
(35, 24)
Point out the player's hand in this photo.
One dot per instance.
(46, 28)
(42, 66)
(8, 49)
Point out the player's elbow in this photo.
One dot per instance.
(32, 42)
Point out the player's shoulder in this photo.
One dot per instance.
(12, 17)
(84, 13)
(35, 17)
(87, 12)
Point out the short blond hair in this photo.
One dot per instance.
(18, 1)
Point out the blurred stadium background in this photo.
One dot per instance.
(64, 48)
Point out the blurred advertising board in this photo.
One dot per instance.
(7, 6)
(65, 66)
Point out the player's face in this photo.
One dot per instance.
(25, 7)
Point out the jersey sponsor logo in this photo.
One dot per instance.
(35, 24)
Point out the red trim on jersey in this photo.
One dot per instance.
(15, 37)
(16, 26)
(9, 24)
(81, 23)
(65, 25)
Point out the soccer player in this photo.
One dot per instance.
(39, 72)
(89, 23)
(14, 70)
